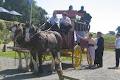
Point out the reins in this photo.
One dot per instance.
(39, 29)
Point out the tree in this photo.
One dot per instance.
(118, 29)
(23, 7)
(112, 32)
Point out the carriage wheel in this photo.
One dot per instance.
(77, 57)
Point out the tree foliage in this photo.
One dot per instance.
(2, 25)
(23, 7)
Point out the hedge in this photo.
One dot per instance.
(4, 26)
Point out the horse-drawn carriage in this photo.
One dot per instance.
(70, 44)
(39, 42)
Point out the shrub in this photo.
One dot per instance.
(2, 25)
(8, 24)
(1, 41)
(4, 30)
(109, 41)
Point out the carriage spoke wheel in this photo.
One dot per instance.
(77, 57)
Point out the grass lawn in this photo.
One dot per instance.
(13, 54)
(9, 54)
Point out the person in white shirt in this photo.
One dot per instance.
(53, 22)
(65, 20)
(65, 23)
(117, 49)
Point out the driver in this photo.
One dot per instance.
(53, 22)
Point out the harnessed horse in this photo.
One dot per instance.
(16, 33)
(39, 43)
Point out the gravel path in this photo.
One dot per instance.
(8, 71)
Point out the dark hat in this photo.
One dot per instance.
(99, 33)
(70, 7)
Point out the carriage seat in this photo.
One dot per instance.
(81, 26)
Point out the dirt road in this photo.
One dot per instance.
(8, 71)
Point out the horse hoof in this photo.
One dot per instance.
(29, 70)
(20, 69)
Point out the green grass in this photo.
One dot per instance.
(13, 54)
(48, 58)
(109, 41)
(9, 54)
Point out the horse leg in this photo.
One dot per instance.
(40, 63)
(60, 60)
(31, 67)
(26, 60)
(20, 60)
(34, 60)
(53, 65)
(58, 67)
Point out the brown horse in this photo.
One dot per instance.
(39, 43)
(18, 29)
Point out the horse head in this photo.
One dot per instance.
(17, 31)
(18, 34)
(30, 32)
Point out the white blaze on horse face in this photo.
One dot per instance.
(27, 35)
(13, 29)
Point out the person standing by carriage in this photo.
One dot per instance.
(99, 50)
(117, 50)
(91, 50)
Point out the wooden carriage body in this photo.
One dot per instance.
(69, 38)
(70, 49)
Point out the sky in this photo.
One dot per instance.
(105, 13)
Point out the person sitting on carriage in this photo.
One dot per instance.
(85, 19)
(53, 23)
(82, 10)
(82, 25)
(70, 8)
(65, 23)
